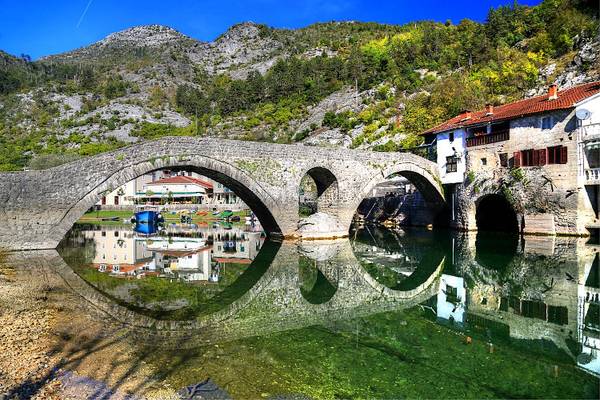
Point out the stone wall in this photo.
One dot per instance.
(39, 207)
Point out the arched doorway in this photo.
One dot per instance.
(318, 192)
(494, 213)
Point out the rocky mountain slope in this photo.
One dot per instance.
(348, 84)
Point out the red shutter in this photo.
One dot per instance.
(542, 156)
(536, 158)
(517, 159)
(563, 155)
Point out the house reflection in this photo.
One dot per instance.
(550, 292)
(191, 256)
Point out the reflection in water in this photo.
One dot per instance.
(389, 300)
(161, 269)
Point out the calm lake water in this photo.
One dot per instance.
(383, 314)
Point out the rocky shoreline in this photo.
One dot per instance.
(54, 347)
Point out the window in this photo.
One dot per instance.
(116, 233)
(503, 159)
(547, 122)
(530, 158)
(452, 294)
(484, 161)
(502, 127)
(557, 155)
(558, 315)
(103, 233)
(451, 136)
(527, 158)
(451, 164)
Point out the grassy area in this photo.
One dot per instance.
(99, 215)
(96, 217)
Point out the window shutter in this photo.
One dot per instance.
(536, 158)
(563, 155)
(517, 159)
(542, 156)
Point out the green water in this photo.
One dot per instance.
(383, 314)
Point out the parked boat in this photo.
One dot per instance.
(148, 215)
(226, 214)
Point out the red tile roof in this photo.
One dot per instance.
(182, 180)
(566, 99)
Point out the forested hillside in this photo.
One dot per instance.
(360, 85)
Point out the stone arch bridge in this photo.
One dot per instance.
(39, 207)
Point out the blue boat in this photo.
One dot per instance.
(148, 216)
(146, 229)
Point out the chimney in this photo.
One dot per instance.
(553, 92)
(465, 115)
(489, 109)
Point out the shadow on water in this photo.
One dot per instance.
(496, 250)
(314, 285)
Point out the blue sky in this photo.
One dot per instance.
(38, 28)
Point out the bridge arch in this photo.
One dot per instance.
(245, 187)
(493, 212)
(327, 189)
(426, 182)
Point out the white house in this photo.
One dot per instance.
(451, 299)
(184, 186)
(180, 188)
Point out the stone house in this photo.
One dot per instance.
(532, 165)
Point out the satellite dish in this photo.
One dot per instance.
(583, 114)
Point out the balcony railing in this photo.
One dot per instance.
(488, 139)
(589, 132)
(592, 174)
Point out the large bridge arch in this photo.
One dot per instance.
(250, 191)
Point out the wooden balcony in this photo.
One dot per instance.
(488, 139)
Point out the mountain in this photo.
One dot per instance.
(352, 84)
